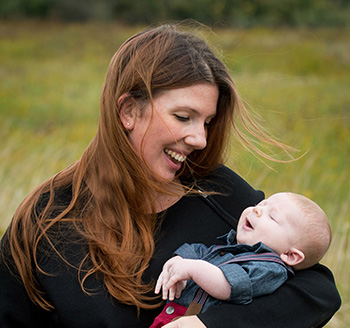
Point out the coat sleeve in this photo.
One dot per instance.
(308, 300)
(16, 308)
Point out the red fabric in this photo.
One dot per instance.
(163, 318)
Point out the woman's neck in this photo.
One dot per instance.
(172, 194)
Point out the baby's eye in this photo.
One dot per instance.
(182, 118)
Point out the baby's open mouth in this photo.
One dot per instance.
(175, 157)
(248, 225)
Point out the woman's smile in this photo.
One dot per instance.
(174, 156)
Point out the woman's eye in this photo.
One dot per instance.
(182, 118)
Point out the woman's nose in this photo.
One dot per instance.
(197, 138)
(257, 210)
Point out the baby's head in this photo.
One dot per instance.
(292, 225)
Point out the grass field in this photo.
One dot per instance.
(296, 81)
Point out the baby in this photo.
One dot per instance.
(284, 232)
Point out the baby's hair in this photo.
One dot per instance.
(316, 234)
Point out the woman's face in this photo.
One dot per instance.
(177, 126)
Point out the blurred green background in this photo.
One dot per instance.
(243, 13)
(290, 62)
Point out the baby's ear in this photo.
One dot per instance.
(293, 257)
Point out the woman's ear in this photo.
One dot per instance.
(127, 111)
(293, 257)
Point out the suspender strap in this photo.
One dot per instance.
(202, 296)
(267, 257)
(196, 305)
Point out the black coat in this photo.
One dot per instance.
(308, 300)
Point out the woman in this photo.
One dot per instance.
(85, 247)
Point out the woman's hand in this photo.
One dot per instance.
(191, 321)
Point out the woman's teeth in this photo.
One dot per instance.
(179, 157)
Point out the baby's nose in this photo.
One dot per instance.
(257, 211)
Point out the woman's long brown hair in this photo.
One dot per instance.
(111, 198)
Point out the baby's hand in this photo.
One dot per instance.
(173, 278)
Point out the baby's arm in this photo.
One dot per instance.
(177, 271)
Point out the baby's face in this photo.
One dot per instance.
(274, 221)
